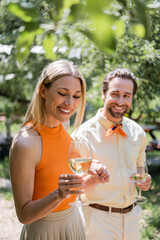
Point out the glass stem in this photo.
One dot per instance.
(140, 193)
(78, 198)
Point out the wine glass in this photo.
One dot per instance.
(79, 159)
(140, 177)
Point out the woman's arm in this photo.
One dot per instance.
(25, 154)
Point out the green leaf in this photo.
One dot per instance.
(67, 39)
(58, 5)
(139, 30)
(48, 44)
(94, 6)
(102, 34)
(143, 15)
(55, 9)
(25, 41)
(69, 3)
(104, 40)
(119, 28)
(33, 27)
(77, 11)
(27, 14)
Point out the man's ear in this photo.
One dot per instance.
(103, 96)
(43, 91)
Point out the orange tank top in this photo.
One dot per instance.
(54, 162)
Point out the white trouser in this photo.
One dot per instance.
(102, 225)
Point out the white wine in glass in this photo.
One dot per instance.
(79, 159)
(139, 178)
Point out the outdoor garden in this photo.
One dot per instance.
(98, 36)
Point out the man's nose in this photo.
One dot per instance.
(120, 100)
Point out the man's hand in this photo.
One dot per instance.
(145, 186)
(99, 171)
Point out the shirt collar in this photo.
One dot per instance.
(103, 120)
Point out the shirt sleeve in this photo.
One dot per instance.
(78, 135)
(142, 154)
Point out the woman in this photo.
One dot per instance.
(38, 158)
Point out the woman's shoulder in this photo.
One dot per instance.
(26, 139)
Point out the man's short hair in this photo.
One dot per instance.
(121, 73)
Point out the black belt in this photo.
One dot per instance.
(112, 209)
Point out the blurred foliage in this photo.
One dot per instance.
(100, 21)
(4, 168)
(97, 36)
(5, 192)
(150, 225)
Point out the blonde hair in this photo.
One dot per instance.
(36, 113)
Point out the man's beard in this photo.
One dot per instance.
(117, 114)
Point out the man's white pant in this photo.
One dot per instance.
(102, 225)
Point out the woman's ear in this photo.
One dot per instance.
(103, 96)
(43, 91)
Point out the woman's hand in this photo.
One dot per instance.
(145, 186)
(70, 184)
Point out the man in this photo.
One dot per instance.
(119, 143)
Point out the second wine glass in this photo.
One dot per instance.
(139, 178)
(79, 159)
